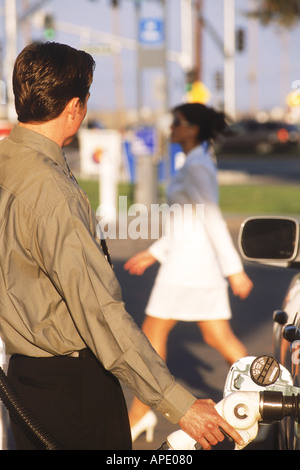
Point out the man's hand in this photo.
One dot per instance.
(202, 422)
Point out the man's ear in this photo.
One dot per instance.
(72, 107)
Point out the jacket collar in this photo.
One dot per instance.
(40, 143)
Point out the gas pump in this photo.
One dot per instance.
(257, 391)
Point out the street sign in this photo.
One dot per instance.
(151, 32)
(103, 49)
(144, 142)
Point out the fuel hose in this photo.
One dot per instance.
(23, 417)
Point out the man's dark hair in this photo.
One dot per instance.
(46, 77)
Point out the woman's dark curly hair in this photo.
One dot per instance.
(210, 122)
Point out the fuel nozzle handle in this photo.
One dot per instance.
(275, 406)
(244, 410)
(240, 409)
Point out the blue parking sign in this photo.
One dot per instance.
(151, 31)
(144, 141)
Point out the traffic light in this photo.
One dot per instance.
(240, 40)
(195, 91)
(49, 27)
(218, 81)
(190, 78)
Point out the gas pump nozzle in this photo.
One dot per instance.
(269, 397)
(240, 409)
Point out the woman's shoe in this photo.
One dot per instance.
(146, 424)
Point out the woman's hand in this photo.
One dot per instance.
(138, 263)
(240, 284)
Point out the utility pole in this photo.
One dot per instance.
(139, 81)
(119, 82)
(26, 25)
(151, 54)
(253, 60)
(187, 49)
(12, 21)
(198, 39)
(229, 52)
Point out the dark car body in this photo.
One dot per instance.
(250, 135)
(275, 241)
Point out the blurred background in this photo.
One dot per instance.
(150, 52)
(239, 56)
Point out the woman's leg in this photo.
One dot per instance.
(157, 331)
(219, 335)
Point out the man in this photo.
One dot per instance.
(62, 316)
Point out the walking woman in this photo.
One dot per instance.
(197, 265)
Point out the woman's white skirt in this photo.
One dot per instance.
(189, 303)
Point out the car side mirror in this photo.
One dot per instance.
(270, 240)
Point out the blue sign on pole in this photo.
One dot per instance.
(144, 141)
(151, 32)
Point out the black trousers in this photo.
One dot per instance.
(79, 403)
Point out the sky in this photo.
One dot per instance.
(270, 57)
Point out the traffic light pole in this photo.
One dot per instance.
(148, 58)
(11, 48)
(32, 10)
(227, 47)
(229, 60)
(198, 40)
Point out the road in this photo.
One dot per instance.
(286, 169)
